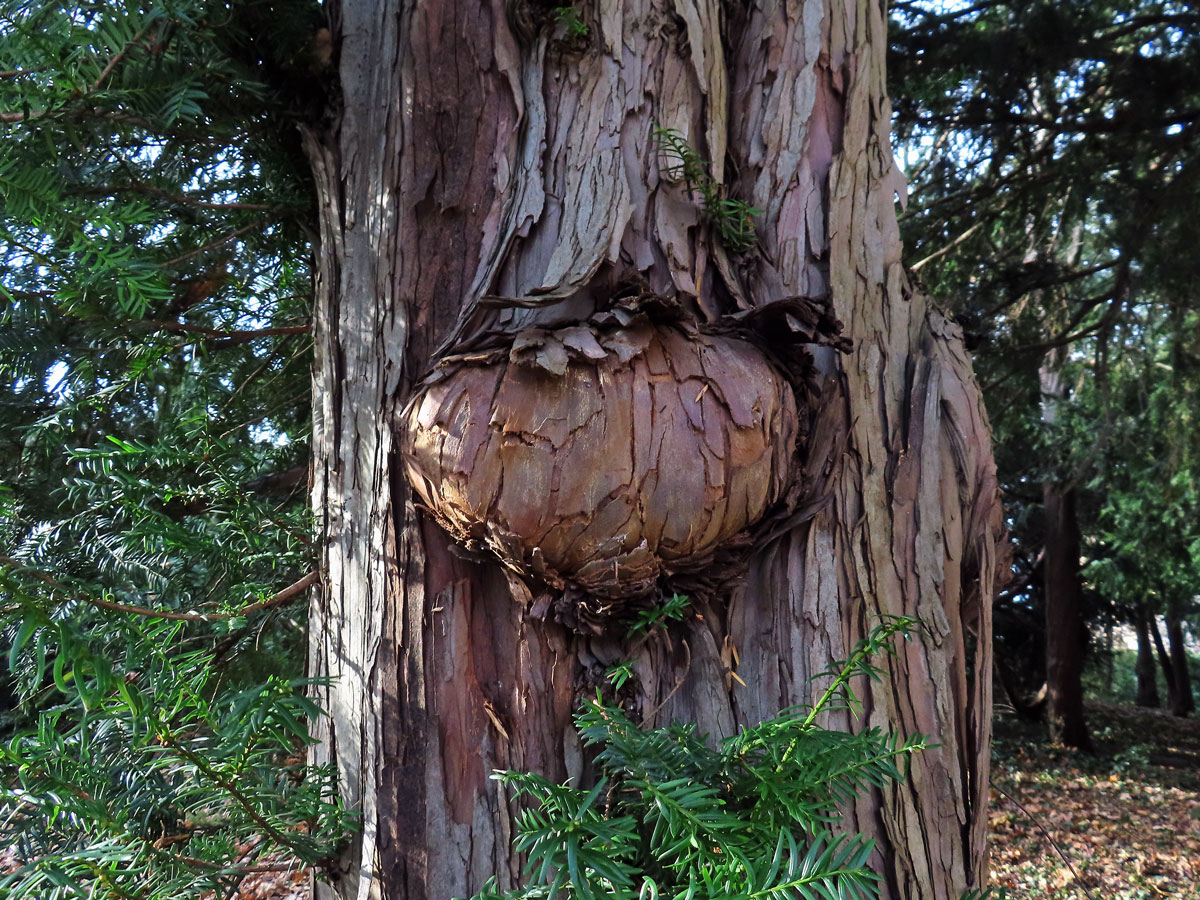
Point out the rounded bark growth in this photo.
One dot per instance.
(602, 456)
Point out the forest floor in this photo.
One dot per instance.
(1123, 824)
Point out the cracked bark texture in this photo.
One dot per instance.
(484, 173)
(601, 459)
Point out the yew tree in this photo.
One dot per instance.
(527, 214)
(1052, 147)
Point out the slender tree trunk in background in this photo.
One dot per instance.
(1064, 621)
(1182, 701)
(493, 155)
(1147, 675)
(1164, 661)
(1063, 591)
(1109, 658)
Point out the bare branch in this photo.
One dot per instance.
(115, 61)
(917, 266)
(292, 590)
(138, 187)
(22, 116)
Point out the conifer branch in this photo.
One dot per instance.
(257, 223)
(277, 599)
(168, 740)
(234, 335)
(138, 187)
(116, 60)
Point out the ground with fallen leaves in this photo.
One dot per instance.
(1123, 824)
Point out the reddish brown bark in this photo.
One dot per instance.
(595, 460)
(488, 174)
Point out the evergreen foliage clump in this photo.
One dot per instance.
(1052, 154)
(147, 779)
(673, 815)
(155, 284)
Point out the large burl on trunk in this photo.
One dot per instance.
(606, 461)
(493, 200)
(605, 472)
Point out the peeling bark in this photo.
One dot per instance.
(606, 460)
(485, 175)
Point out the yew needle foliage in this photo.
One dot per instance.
(155, 222)
(148, 780)
(733, 220)
(674, 815)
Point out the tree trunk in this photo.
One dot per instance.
(494, 155)
(1063, 592)
(1064, 620)
(1110, 672)
(1147, 675)
(1164, 661)
(1182, 701)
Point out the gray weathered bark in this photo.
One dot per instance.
(489, 155)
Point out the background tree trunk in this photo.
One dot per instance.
(1064, 620)
(492, 154)
(1147, 675)
(1164, 661)
(1062, 589)
(1109, 657)
(1182, 701)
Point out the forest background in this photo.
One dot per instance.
(155, 236)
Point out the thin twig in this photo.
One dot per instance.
(278, 599)
(112, 63)
(295, 398)
(1042, 828)
(237, 868)
(678, 684)
(232, 789)
(233, 870)
(22, 116)
(217, 243)
(234, 334)
(138, 187)
(917, 266)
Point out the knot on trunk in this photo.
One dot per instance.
(597, 458)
